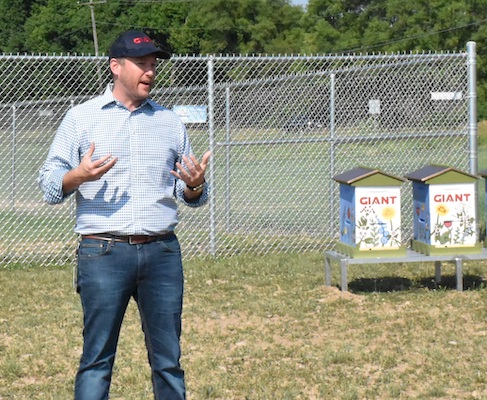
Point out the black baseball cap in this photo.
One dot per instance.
(135, 44)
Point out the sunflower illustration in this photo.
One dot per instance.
(388, 213)
(442, 210)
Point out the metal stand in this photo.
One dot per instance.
(411, 256)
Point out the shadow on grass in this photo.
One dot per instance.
(395, 284)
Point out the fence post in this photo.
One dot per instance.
(227, 159)
(332, 138)
(72, 199)
(211, 127)
(14, 151)
(472, 104)
(332, 105)
(472, 121)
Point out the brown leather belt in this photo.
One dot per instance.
(130, 239)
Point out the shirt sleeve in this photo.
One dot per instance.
(62, 157)
(185, 149)
(198, 202)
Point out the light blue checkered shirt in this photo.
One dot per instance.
(138, 195)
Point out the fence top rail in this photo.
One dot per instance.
(247, 57)
(303, 57)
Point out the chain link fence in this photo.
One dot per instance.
(279, 128)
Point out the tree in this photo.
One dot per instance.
(334, 26)
(241, 27)
(59, 26)
(13, 14)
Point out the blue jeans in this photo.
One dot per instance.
(109, 274)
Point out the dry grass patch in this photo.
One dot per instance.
(265, 328)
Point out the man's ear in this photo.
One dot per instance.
(114, 66)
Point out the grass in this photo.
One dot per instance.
(258, 328)
(482, 145)
(266, 328)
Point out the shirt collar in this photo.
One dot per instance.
(108, 99)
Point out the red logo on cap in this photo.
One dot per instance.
(143, 39)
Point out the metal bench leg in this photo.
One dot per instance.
(438, 272)
(327, 272)
(459, 273)
(343, 267)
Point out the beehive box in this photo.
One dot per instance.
(370, 214)
(445, 211)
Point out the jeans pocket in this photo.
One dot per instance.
(89, 248)
(170, 244)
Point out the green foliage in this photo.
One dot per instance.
(246, 26)
(13, 14)
(482, 134)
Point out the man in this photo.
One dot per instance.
(127, 159)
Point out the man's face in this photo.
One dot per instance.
(134, 78)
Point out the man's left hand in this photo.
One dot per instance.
(194, 173)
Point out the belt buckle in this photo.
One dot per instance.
(138, 239)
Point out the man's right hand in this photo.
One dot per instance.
(87, 170)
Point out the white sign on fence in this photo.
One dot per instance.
(191, 114)
(374, 107)
(446, 95)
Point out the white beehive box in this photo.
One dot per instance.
(370, 213)
(445, 211)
